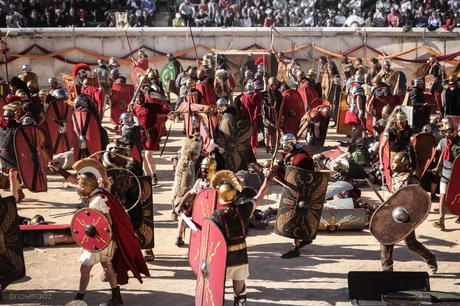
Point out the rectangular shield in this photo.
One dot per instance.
(300, 207)
(343, 128)
(146, 232)
(12, 265)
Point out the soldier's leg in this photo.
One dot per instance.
(415, 246)
(112, 278)
(239, 289)
(442, 206)
(294, 251)
(386, 257)
(85, 271)
(180, 232)
(15, 186)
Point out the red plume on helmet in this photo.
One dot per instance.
(79, 67)
(261, 59)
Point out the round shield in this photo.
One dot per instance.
(91, 230)
(401, 214)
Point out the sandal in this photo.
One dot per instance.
(149, 256)
(439, 224)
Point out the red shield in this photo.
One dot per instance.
(208, 125)
(189, 101)
(307, 94)
(87, 136)
(292, 109)
(453, 189)
(12, 265)
(143, 64)
(320, 102)
(91, 230)
(204, 204)
(59, 125)
(208, 92)
(29, 155)
(210, 283)
(385, 144)
(120, 97)
(97, 95)
(374, 109)
(455, 119)
(429, 82)
(425, 149)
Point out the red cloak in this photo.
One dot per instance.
(128, 255)
(253, 105)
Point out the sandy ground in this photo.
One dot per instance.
(318, 277)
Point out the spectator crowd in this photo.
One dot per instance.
(430, 14)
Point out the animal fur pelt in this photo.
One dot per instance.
(185, 169)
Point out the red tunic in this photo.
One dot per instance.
(142, 63)
(308, 93)
(253, 105)
(148, 115)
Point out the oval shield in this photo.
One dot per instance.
(417, 204)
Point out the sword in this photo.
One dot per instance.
(375, 190)
(189, 222)
(167, 137)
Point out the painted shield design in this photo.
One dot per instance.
(120, 97)
(385, 144)
(12, 265)
(233, 134)
(453, 189)
(87, 137)
(31, 163)
(59, 125)
(425, 149)
(395, 219)
(168, 77)
(145, 233)
(333, 220)
(300, 211)
(204, 204)
(429, 82)
(292, 109)
(210, 283)
(91, 230)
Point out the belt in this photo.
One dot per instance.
(236, 247)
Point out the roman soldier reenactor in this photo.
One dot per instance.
(402, 175)
(207, 170)
(356, 106)
(142, 60)
(251, 102)
(451, 97)
(449, 147)
(386, 71)
(102, 73)
(294, 154)
(8, 127)
(270, 112)
(417, 101)
(28, 76)
(148, 113)
(233, 221)
(123, 252)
